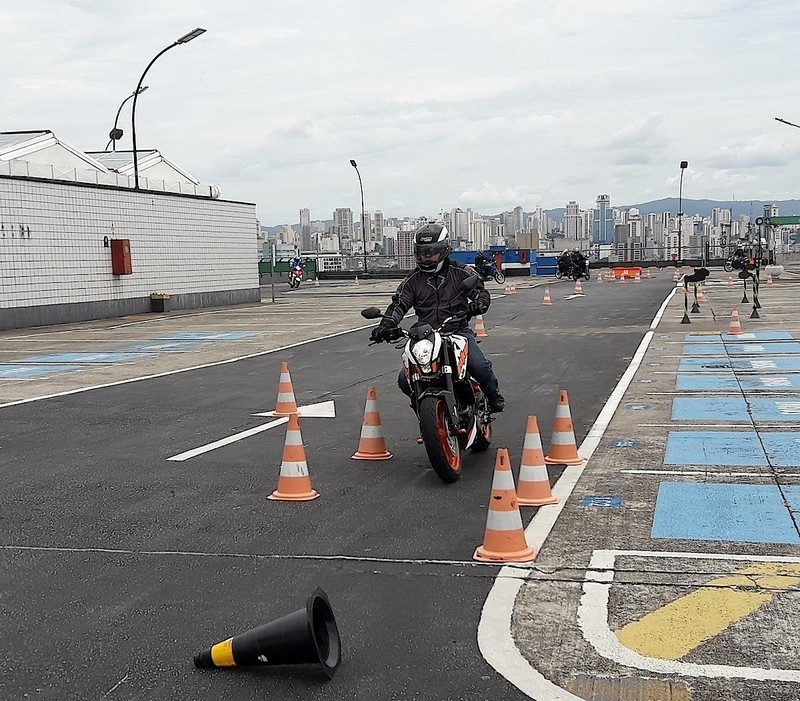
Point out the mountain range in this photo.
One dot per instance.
(752, 208)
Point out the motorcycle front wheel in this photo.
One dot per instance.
(499, 277)
(443, 450)
(728, 267)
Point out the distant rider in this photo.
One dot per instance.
(433, 289)
(483, 265)
(563, 262)
(297, 264)
(579, 261)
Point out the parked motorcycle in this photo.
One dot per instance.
(452, 410)
(489, 272)
(295, 277)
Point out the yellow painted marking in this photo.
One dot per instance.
(676, 629)
(222, 654)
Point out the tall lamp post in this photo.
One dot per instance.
(363, 228)
(186, 38)
(115, 134)
(684, 165)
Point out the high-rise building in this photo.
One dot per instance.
(305, 230)
(603, 231)
(572, 221)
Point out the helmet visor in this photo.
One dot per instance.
(431, 253)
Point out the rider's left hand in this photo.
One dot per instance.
(475, 308)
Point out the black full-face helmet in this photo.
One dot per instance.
(431, 247)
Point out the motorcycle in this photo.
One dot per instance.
(573, 270)
(295, 278)
(452, 410)
(489, 272)
(738, 263)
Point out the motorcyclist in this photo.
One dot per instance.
(563, 262)
(483, 265)
(433, 289)
(297, 263)
(579, 261)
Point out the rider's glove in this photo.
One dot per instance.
(475, 308)
(385, 331)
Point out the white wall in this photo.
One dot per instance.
(180, 245)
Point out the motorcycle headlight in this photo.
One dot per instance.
(422, 352)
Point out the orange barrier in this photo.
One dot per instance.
(286, 404)
(504, 538)
(735, 327)
(563, 450)
(533, 488)
(546, 301)
(627, 272)
(372, 445)
(480, 329)
(294, 484)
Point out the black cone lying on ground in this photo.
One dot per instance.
(308, 635)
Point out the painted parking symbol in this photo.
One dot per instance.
(778, 363)
(679, 636)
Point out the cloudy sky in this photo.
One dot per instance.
(445, 103)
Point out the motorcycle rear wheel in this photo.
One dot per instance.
(443, 450)
(499, 277)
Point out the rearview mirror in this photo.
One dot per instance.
(371, 313)
(469, 282)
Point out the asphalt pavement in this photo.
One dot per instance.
(135, 530)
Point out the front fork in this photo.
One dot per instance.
(446, 393)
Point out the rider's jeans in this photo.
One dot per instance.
(478, 365)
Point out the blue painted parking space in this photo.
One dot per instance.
(204, 336)
(168, 346)
(27, 372)
(731, 382)
(757, 336)
(733, 448)
(735, 409)
(742, 513)
(61, 358)
(778, 363)
(738, 348)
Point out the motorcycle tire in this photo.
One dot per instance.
(728, 267)
(559, 274)
(499, 277)
(443, 450)
(587, 276)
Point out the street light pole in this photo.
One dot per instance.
(684, 165)
(115, 134)
(186, 38)
(363, 228)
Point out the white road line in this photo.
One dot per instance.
(194, 452)
(593, 620)
(495, 638)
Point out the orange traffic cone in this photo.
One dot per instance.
(533, 488)
(599, 277)
(286, 404)
(316, 282)
(546, 301)
(675, 276)
(730, 282)
(372, 446)
(507, 290)
(735, 327)
(647, 273)
(563, 450)
(700, 296)
(578, 288)
(637, 277)
(513, 289)
(504, 538)
(357, 282)
(480, 329)
(769, 280)
(294, 484)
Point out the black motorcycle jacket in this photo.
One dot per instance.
(435, 296)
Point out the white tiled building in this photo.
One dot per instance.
(62, 212)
